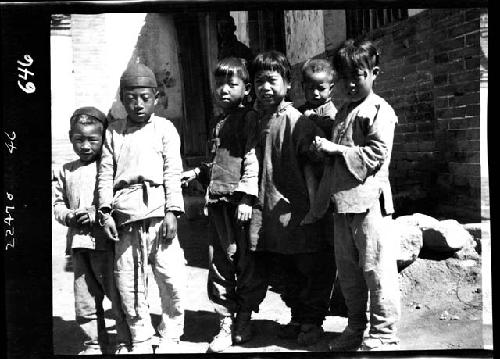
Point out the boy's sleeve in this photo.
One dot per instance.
(61, 203)
(304, 134)
(172, 170)
(249, 181)
(105, 173)
(363, 161)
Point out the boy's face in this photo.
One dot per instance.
(317, 87)
(139, 102)
(270, 88)
(87, 141)
(356, 83)
(230, 91)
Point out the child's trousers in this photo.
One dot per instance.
(93, 271)
(366, 263)
(139, 245)
(304, 280)
(232, 284)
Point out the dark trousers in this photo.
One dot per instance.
(304, 280)
(233, 285)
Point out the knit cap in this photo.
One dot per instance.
(138, 75)
(89, 111)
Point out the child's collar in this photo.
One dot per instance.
(131, 123)
(310, 106)
(280, 108)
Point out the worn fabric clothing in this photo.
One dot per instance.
(93, 279)
(139, 179)
(359, 177)
(140, 170)
(232, 284)
(283, 200)
(234, 169)
(323, 115)
(366, 261)
(76, 189)
(139, 245)
(304, 281)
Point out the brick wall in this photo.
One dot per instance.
(430, 75)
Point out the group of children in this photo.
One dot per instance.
(297, 194)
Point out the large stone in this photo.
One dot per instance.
(409, 237)
(448, 237)
(420, 220)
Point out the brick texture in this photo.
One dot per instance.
(431, 76)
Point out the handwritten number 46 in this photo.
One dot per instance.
(28, 87)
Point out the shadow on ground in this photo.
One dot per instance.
(72, 334)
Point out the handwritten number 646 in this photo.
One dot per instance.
(28, 87)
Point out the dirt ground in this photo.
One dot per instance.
(441, 304)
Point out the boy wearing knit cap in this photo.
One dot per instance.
(140, 197)
(91, 251)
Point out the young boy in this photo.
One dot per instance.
(317, 83)
(140, 198)
(232, 180)
(91, 251)
(286, 179)
(357, 182)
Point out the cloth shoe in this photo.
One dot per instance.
(145, 347)
(91, 350)
(372, 343)
(224, 338)
(289, 331)
(349, 339)
(123, 348)
(243, 331)
(309, 334)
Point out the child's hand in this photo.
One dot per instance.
(82, 217)
(243, 213)
(109, 227)
(323, 145)
(308, 113)
(308, 219)
(169, 227)
(187, 176)
(71, 220)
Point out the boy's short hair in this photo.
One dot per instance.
(313, 66)
(272, 61)
(360, 54)
(87, 116)
(232, 66)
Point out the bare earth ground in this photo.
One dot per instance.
(441, 304)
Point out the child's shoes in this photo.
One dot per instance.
(91, 350)
(372, 343)
(224, 339)
(145, 347)
(243, 331)
(309, 334)
(349, 339)
(289, 331)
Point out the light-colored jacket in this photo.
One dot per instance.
(76, 189)
(140, 170)
(359, 177)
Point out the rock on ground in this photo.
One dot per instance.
(410, 241)
(447, 237)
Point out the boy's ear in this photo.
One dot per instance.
(248, 87)
(69, 135)
(157, 96)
